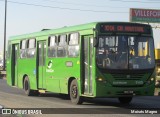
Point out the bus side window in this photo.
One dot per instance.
(31, 48)
(52, 46)
(23, 49)
(73, 45)
(62, 46)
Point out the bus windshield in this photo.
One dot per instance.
(125, 52)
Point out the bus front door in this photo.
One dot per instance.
(87, 58)
(41, 64)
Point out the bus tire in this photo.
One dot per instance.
(74, 93)
(26, 87)
(125, 100)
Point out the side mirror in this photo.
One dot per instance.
(95, 42)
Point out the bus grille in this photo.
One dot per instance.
(123, 76)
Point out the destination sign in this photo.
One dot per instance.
(125, 28)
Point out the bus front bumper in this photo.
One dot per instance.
(109, 91)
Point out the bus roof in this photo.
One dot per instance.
(64, 29)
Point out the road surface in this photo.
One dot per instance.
(11, 97)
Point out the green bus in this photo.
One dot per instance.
(100, 59)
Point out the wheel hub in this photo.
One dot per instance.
(74, 91)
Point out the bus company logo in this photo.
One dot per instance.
(49, 67)
(50, 64)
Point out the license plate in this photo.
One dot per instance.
(128, 92)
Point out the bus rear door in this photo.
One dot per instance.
(41, 64)
(14, 61)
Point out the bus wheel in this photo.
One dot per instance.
(74, 93)
(26, 86)
(125, 100)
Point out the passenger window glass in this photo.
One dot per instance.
(62, 40)
(23, 44)
(23, 49)
(73, 48)
(52, 41)
(31, 48)
(52, 46)
(31, 43)
(62, 46)
(73, 39)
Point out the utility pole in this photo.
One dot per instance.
(4, 49)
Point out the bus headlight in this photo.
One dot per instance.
(150, 81)
(100, 79)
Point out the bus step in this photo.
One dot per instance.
(41, 91)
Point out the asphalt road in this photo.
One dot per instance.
(11, 97)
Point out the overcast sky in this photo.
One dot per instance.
(26, 16)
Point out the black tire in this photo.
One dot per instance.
(27, 90)
(74, 93)
(125, 100)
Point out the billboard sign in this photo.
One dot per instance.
(145, 15)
